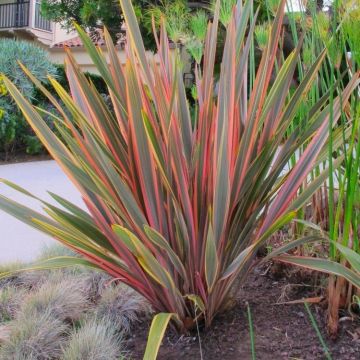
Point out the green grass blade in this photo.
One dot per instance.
(252, 334)
(318, 333)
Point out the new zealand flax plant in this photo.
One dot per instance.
(176, 208)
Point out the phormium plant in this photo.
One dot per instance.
(175, 209)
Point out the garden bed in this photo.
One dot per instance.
(281, 331)
(90, 301)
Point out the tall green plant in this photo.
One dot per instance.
(174, 14)
(335, 206)
(176, 210)
(197, 34)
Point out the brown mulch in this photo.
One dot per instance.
(281, 331)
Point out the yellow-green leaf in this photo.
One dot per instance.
(51, 264)
(156, 334)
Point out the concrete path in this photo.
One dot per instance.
(17, 240)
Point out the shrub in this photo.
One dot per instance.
(175, 210)
(14, 130)
(95, 340)
(121, 306)
(35, 58)
(34, 336)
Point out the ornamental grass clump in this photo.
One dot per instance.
(33, 337)
(121, 306)
(94, 340)
(10, 300)
(63, 299)
(176, 208)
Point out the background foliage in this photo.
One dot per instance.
(14, 132)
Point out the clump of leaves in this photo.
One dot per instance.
(178, 209)
(195, 48)
(63, 298)
(175, 16)
(197, 34)
(225, 10)
(121, 306)
(262, 32)
(182, 25)
(351, 28)
(94, 340)
(307, 55)
(34, 336)
(323, 22)
(273, 6)
(10, 300)
(198, 24)
(95, 283)
(34, 57)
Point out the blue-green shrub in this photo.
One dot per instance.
(14, 132)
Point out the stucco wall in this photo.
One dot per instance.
(46, 37)
(57, 55)
(61, 34)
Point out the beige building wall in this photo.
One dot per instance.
(61, 34)
(57, 55)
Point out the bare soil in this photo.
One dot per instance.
(282, 331)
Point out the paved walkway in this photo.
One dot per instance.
(17, 240)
